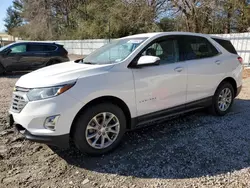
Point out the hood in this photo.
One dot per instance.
(60, 74)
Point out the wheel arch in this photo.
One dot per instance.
(105, 99)
(232, 82)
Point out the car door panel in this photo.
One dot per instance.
(14, 60)
(160, 87)
(204, 64)
(203, 76)
(38, 57)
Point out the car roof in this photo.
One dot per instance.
(159, 34)
(36, 42)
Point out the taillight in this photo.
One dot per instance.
(240, 60)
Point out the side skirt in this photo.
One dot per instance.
(145, 120)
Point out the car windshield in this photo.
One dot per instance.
(4, 47)
(114, 52)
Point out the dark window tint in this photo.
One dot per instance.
(196, 48)
(35, 48)
(41, 48)
(227, 45)
(50, 48)
(167, 50)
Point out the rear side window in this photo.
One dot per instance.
(226, 44)
(41, 48)
(194, 47)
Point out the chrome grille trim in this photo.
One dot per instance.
(21, 89)
(19, 99)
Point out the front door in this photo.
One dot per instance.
(161, 86)
(14, 60)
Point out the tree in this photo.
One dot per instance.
(168, 24)
(13, 18)
(83, 19)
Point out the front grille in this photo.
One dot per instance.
(19, 99)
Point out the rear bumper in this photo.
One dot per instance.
(238, 91)
(61, 141)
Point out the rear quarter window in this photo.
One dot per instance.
(227, 45)
(50, 48)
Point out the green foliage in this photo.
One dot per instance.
(84, 19)
(13, 18)
(168, 24)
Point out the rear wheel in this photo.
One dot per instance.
(223, 99)
(99, 129)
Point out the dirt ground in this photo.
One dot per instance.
(195, 150)
(246, 73)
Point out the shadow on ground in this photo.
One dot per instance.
(194, 145)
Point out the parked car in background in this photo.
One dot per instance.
(127, 84)
(23, 56)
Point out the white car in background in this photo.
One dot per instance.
(125, 85)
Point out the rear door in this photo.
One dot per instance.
(205, 67)
(38, 55)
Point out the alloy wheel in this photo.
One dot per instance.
(225, 99)
(102, 130)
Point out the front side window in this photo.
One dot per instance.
(114, 52)
(167, 50)
(194, 47)
(21, 48)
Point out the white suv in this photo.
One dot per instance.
(125, 85)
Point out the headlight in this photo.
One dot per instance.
(44, 93)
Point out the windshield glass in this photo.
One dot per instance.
(4, 47)
(113, 52)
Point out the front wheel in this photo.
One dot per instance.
(99, 129)
(223, 99)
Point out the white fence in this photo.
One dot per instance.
(82, 47)
(241, 42)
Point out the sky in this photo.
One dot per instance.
(4, 4)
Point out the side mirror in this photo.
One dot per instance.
(148, 60)
(7, 51)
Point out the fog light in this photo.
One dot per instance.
(50, 122)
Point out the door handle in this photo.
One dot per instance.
(178, 69)
(218, 62)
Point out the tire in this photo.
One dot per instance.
(218, 101)
(98, 130)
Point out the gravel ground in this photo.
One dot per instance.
(195, 150)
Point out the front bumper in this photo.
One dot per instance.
(61, 141)
(30, 121)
